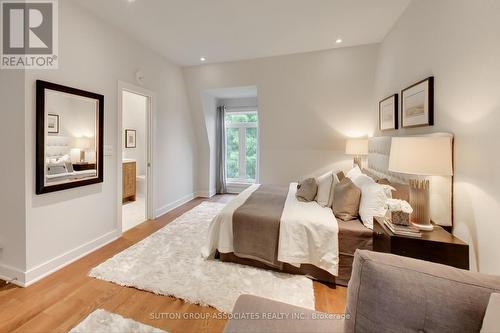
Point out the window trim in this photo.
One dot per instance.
(242, 126)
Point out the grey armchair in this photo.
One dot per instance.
(388, 293)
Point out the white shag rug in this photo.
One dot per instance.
(102, 321)
(169, 262)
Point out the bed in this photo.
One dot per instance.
(58, 162)
(268, 227)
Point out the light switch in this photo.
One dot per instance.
(108, 150)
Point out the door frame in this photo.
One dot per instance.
(150, 138)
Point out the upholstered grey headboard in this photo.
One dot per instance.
(57, 146)
(441, 188)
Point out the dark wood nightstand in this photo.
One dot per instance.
(437, 246)
(84, 166)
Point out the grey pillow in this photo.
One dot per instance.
(307, 189)
(346, 200)
(402, 191)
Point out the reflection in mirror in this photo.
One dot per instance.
(69, 151)
(70, 141)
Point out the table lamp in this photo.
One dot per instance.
(358, 148)
(421, 156)
(82, 144)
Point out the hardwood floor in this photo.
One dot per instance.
(63, 299)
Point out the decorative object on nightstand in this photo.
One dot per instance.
(398, 211)
(82, 144)
(358, 148)
(437, 246)
(421, 156)
(402, 230)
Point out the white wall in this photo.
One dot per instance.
(134, 117)
(94, 57)
(206, 182)
(457, 41)
(12, 181)
(77, 117)
(308, 104)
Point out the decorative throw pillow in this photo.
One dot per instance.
(383, 181)
(491, 320)
(307, 189)
(370, 174)
(354, 172)
(340, 175)
(332, 191)
(324, 189)
(398, 191)
(346, 200)
(373, 199)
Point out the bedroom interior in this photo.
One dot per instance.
(242, 166)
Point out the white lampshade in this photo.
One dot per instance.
(426, 156)
(82, 143)
(356, 147)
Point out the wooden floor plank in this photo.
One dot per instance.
(63, 299)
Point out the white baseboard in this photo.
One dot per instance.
(173, 205)
(12, 275)
(24, 279)
(52, 265)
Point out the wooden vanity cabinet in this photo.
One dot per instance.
(129, 181)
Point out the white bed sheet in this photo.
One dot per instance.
(308, 232)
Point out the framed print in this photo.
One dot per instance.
(52, 123)
(417, 104)
(130, 138)
(388, 113)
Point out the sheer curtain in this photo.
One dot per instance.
(221, 150)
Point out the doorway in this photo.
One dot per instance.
(135, 150)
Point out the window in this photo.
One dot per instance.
(242, 142)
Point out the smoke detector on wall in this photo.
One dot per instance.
(139, 77)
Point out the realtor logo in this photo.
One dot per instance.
(29, 34)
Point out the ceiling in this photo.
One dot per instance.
(227, 30)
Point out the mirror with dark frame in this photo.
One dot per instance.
(69, 148)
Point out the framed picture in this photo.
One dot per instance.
(388, 113)
(52, 123)
(417, 104)
(130, 138)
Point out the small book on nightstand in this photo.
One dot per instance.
(402, 230)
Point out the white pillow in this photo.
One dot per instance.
(324, 189)
(373, 198)
(354, 172)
